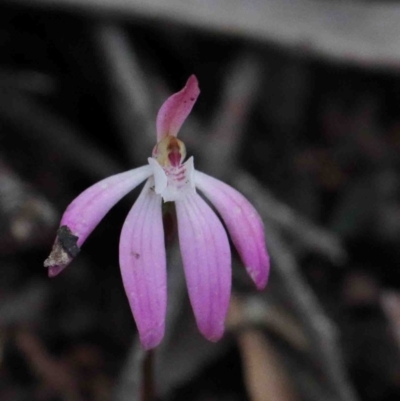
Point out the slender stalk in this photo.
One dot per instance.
(148, 388)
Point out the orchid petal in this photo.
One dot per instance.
(243, 223)
(86, 211)
(176, 108)
(143, 265)
(207, 261)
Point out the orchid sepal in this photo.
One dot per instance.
(176, 108)
(86, 211)
(244, 225)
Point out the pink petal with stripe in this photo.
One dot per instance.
(243, 223)
(143, 266)
(176, 108)
(86, 211)
(207, 262)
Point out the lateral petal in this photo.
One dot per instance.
(243, 223)
(86, 211)
(143, 265)
(207, 262)
(176, 108)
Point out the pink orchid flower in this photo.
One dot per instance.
(203, 240)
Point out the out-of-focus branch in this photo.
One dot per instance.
(284, 217)
(29, 81)
(322, 333)
(256, 311)
(56, 375)
(390, 301)
(27, 217)
(364, 33)
(24, 307)
(131, 98)
(129, 386)
(52, 131)
(248, 315)
(265, 375)
(241, 85)
(308, 384)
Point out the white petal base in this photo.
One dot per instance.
(173, 183)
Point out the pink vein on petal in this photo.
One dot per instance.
(176, 108)
(143, 266)
(243, 223)
(88, 209)
(207, 263)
